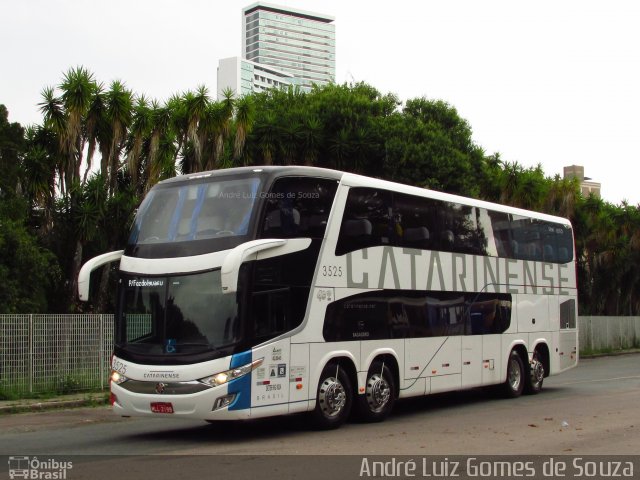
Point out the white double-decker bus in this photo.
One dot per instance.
(253, 292)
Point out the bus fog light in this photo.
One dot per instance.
(224, 401)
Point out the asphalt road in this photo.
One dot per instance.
(593, 409)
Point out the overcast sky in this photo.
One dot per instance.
(550, 82)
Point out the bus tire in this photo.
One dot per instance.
(377, 402)
(334, 397)
(514, 385)
(536, 375)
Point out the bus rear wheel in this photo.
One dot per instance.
(333, 398)
(536, 375)
(377, 402)
(514, 385)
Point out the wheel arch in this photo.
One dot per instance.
(391, 361)
(345, 360)
(521, 350)
(545, 357)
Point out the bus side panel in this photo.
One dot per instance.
(438, 358)
(270, 381)
(445, 368)
(299, 386)
(471, 361)
(414, 387)
(533, 312)
(568, 350)
(419, 353)
(492, 372)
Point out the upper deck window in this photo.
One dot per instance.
(375, 217)
(190, 218)
(298, 207)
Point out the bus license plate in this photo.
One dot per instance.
(161, 407)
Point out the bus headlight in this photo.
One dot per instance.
(228, 375)
(117, 377)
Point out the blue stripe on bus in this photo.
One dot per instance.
(241, 386)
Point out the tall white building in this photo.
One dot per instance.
(280, 47)
(295, 41)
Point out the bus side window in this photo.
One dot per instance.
(489, 313)
(298, 207)
(368, 221)
(270, 311)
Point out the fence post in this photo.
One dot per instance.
(31, 353)
(101, 353)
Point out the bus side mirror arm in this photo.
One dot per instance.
(236, 257)
(85, 272)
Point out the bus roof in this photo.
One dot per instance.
(271, 170)
(355, 180)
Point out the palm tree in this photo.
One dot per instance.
(244, 118)
(96, 127)
(267, 136)
(196, 106)
(311, 134)
(161, 128)
(227, 105)
(78, 87)
(340, 148)
(139, 131)
(119, 107)
(39, 171)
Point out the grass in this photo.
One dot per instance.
(16, 386)
(44, 391)
(592, 352)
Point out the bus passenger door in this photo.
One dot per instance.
(568, 346)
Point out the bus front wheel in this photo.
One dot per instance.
(377, 402)
(334, 397)
(515, 376)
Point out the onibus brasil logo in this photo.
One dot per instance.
(33, 468)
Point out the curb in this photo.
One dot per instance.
(51, 405)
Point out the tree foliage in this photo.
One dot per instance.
(69, 186)
(28, 271)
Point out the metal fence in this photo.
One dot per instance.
(609, 333)
(54, 353)
(66, 353)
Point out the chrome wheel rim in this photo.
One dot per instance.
(514, 375)
(332, 397)
(537, 371)
(378, 393)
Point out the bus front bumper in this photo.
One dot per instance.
(210, 404)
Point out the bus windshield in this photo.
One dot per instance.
(186, 314)
(179, 212)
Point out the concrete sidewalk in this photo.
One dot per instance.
(76, 400)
